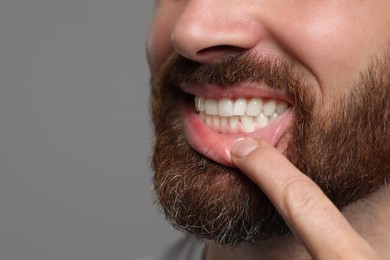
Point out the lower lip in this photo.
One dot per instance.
(217, 146)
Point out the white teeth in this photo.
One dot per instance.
(254, 107)
(274, 116)
(224, 122)
(269, 107)
(208, 119)
(231, 114)
(247, 123)
(281, 106)
(262, 120)
(197, 104)
(211, 107)
(240, 107)
(216, 121)
(200, 104)
(225, 107)
(233, 122)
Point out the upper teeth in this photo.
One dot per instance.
(246, 111)
(239, 107)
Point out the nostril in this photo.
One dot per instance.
(220, 50)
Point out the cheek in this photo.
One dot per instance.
(159, 44)
(338, 45)
(336, 51)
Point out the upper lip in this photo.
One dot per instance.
(239, 90)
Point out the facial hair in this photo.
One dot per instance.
(345, 150)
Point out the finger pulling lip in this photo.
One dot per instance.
(217, 145)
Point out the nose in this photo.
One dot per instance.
(208, 29)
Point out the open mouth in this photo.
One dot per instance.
(215, 120)
(234, 116)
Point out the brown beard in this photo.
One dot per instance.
(346, 150)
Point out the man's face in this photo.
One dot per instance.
(310, 77)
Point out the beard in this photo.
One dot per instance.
(345, 150)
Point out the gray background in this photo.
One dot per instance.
(74, 131)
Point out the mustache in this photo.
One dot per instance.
(232, 69)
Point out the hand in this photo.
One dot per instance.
(309, 213)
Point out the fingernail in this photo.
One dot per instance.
(244, 147)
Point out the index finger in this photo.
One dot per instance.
(305, 208)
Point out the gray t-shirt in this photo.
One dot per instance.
(184, 249)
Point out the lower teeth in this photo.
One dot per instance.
(237, 123)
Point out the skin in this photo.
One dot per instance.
(330, 43)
